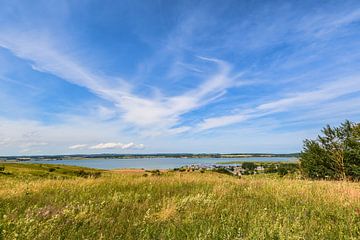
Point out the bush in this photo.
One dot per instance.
(222, 170)
(334, 155)
(272, 168)
(155, 172)
(2, 168)
(84, 174)
(287, 168)
(282, 171)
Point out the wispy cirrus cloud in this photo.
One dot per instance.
(117, 145)
(108, 145)
(293, 102)
(161, 111)
(78, 146)
(174, 75)
(328, 91)
(153, 115)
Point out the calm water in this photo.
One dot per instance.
(155, 163)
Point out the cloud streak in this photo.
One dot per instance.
(117, 145)
(170, 79)
(78, 146)
(295, 102)
(164, 112)
(108, 145)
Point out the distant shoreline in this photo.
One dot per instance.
(137, 156)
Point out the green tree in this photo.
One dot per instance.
(249, 167)
(335, 154)
(286, 168)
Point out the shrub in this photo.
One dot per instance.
(155, 172)
(272, 168)
(282, 171)
(286, 168)
(84, 174)
(222, 170)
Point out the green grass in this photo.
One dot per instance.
(43, 171)
(36, 203)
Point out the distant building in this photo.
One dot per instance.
(259, 168)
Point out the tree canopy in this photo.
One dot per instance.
(333, 155)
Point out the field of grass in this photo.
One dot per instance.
(61, 202)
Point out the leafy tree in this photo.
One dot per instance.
(249, 167)
(271, 168)
(286, 168)
(333, 155)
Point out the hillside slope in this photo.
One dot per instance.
(38, 203)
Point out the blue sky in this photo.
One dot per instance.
(175, 76)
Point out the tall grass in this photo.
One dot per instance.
(174, 205)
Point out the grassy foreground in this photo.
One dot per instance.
(38, 203)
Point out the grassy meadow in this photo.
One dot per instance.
(63, 202)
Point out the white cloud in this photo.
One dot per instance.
(108, 145)
(114, 145)
(78, 146)
(215, 122)
(308, 37)
(324, 24)
(18, 135)
(327, 92)
(166, 111)
(5, 141)
(106, 113)
(161, 113)
(29, 144)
